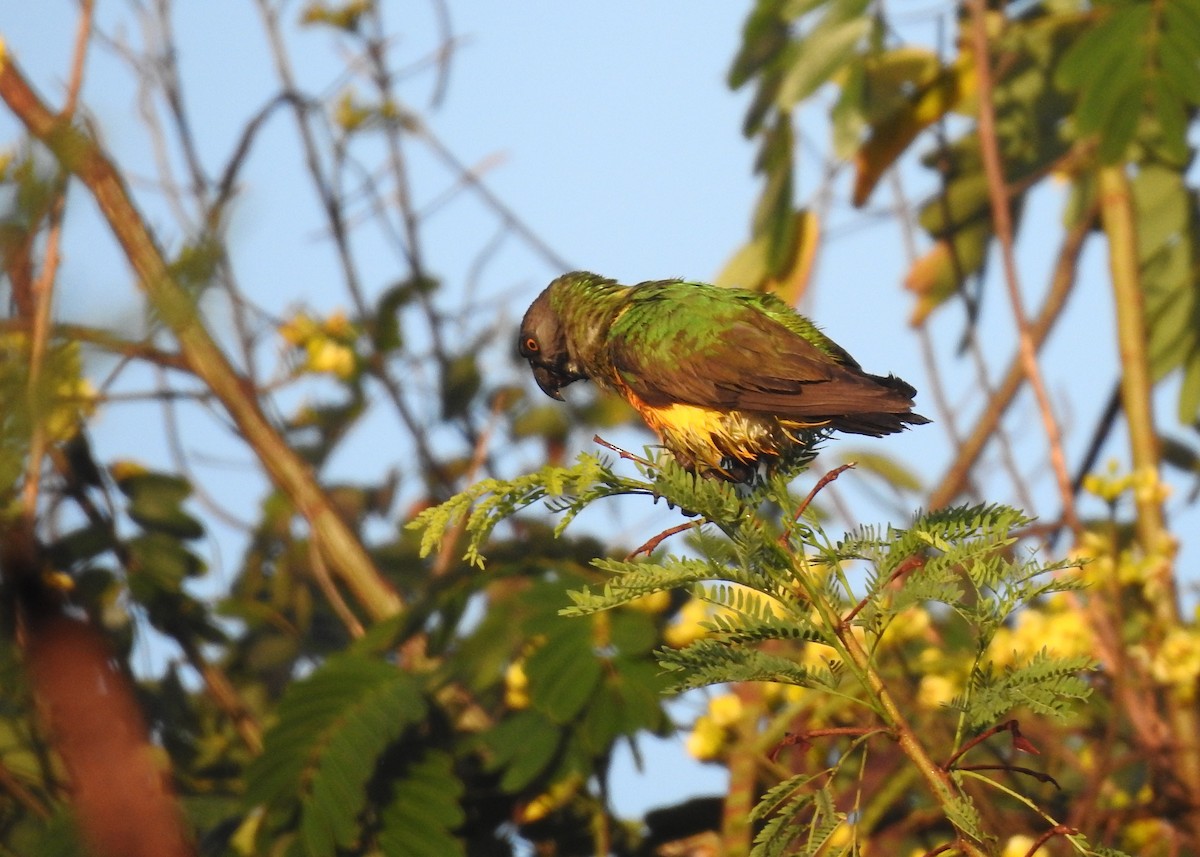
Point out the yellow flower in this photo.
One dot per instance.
(1147, 836)
(339, 326)
(516, 686)
(1053, 624)
(325, 355)
(652, 602)
(126, 469)
(934, 691)
(244, 839)
(706, 740)
(910, 624)
(842, 836)
(298, 329)
(1177, 662)
(688, 626)
(550, 800)
(725, 710)
(349, 114)
(1019, 845)
(1148, 487)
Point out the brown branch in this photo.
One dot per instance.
(332, 208)
(652, 543)
(104, 339)
(223, 694)
(1120, 227)
(80, 155)
(831, 476)
(121, 800)
(1020, 742)
(41, 297)
(1002, 221)
(1062, 282)
(1056, 830)
(329, 589)
(801, 739)
(625, 454)
(941, 849)
(910, 564)
(83, 37)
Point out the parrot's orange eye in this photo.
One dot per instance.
(531, 344)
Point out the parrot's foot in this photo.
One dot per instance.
(751, 475)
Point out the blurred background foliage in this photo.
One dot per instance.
(343, 694)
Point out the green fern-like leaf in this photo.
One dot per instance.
(488, 502)
(632, 580)
(826, 820)
(332, 728)
(707, 662)
(789, 821)
(961, 812)
(1046, 685)
(423, 811)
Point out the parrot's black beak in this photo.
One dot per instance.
(550, 381)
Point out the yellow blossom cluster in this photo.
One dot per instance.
(1101, 560)
(344, 17)
(1176, 664)
(1149, 837)
(1144, 483)
(1019, 845)
(328, 344)
(516, 686)
(1054, 624)
(556, 796)
(713, 729)
(652, 602)
(689, 625)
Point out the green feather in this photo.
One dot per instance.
(719, 373)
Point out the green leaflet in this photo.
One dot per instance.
(333, 727)
(423, 810)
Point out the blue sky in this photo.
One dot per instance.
(609, 130)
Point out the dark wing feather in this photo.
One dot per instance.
(753, 363)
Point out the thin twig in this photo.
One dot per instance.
(329, 589)
(910, 564)
(1056, 830)
(941, 849)
(1016, 769)
(450, 543)
(801, 739)
(1002, 222)
(42, 298)
(1010, 726)
(821, 483)
(652, 543)
(628, 456)
(83, 38)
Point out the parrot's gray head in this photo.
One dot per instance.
(543, 342)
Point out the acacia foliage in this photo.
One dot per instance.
(465, 712)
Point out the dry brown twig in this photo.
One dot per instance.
(1002, 222)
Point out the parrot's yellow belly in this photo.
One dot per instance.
(711, 440)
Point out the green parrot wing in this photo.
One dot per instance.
(693, 344)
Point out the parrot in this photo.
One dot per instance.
(734, 382)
